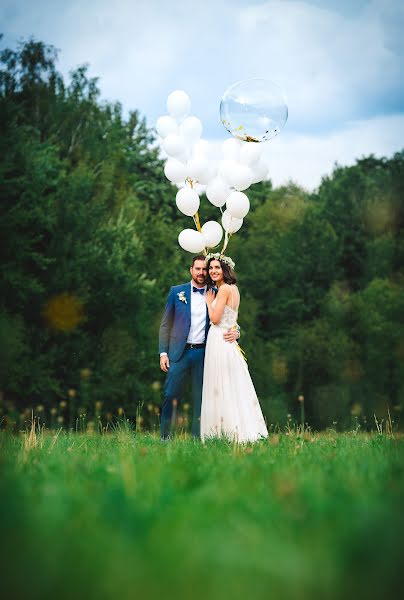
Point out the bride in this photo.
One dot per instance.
(230, 406)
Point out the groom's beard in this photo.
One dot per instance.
(200, 280)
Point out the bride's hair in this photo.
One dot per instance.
(229, 275)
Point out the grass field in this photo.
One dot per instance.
(125, 516)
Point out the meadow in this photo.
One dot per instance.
(124, 515)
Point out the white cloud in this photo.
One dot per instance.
(306, 159)
(333, 66)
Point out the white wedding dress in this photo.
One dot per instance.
(230, 407)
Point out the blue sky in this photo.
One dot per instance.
(339, 63)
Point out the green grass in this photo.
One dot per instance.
(126, 516)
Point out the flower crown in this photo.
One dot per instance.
(226, 259)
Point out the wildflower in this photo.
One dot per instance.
(60, 419)
(186, 406)
(39, 408)
(63, 404)
(98, 405)
(300, 398)
(53, 410)
(71, 393)
(120, 411)
(155, 386)
(85, 373)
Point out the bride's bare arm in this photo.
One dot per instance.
(215, 314)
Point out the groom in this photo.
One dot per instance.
(182, 339)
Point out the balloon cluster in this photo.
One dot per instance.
(190, 165)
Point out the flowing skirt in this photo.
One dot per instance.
(230, 406)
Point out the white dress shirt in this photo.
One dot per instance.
(198, 317)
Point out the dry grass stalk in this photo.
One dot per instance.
(31, 440)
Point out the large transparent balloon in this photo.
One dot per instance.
(254, 110)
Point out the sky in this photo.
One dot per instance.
(339, 63)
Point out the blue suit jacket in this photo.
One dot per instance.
(176, 322)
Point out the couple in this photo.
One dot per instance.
(198, 334)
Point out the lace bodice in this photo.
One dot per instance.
(229, 317)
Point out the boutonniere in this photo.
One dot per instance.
(181, 297)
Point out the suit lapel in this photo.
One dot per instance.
(188, 297)
(207, 321)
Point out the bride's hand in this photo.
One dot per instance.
(209, 297)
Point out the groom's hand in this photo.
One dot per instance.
(231, 335)
(164, 363)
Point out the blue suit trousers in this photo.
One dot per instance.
(191, 361)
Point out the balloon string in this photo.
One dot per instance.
(197, 222)
(226, 241)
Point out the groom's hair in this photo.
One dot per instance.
(199, 257)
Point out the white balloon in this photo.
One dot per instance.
(178, 104)
(238, 205)
(175, 171)
(199, 170)
(213, 170)
(213, 233)
(191, 129)
(226, 169)
(217, 192)
(199, 189)
(174, 145)
(230, 224)
(241, 177)
(187, 201)
(200, 148)
(191, 240)
(250, 153)
(259, 171)
(231, 149)
(166, 125)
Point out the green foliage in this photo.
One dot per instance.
(84, 213)
(323, 323)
